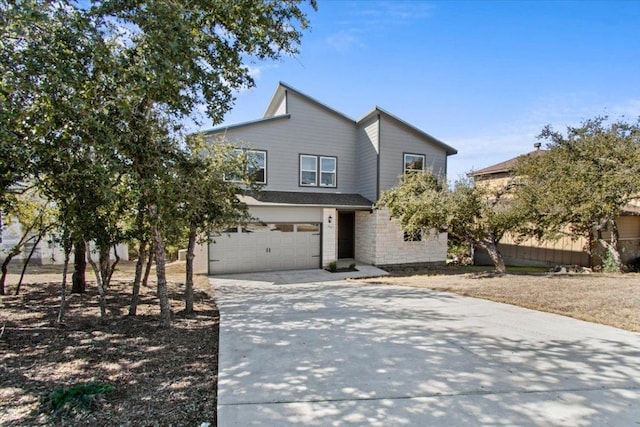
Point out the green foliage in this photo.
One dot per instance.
(333, 266)
(70, 400)
(582, 182)
(609, 263)
(476, 215)
(92, 116)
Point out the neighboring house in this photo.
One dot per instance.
(322, 173)
(48, 252)
(564, 251)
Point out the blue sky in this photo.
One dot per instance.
(484, 77)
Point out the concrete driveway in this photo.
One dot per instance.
(338, 354)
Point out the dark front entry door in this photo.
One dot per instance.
(346, 234)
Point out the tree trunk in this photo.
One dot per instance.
(5, 266)
(188, 285)
(101, 290)
(26, 262)
(78, 278)
(63, 287)
(111, 267)
(135, 293)
(496, 257)
(612, 247)
(147, 270)
(163, 293)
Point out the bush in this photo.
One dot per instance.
(333, 266)
(75, 398)
(609, 264)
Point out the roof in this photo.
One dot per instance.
(220, 129)
(504, 167)
(377, 110)
(280, 93)
(290, 198)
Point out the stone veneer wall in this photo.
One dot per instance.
(380, 241)
(329, 236)
(365, 245)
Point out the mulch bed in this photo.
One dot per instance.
(160, 377)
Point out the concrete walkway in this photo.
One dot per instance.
(338, 354)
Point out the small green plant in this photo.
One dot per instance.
(352, 266)
(333, 266)
(75, 398)
(609, 264)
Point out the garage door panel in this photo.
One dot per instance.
(266, 247)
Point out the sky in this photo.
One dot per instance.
(483, 77)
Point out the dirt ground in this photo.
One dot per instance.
(610, 299)
(169, 377)
(159, 377)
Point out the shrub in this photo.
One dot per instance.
(75, 398)
(333, 266)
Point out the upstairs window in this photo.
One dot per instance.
(413, 163)
(318, 171)
(308, 171)
(256, 166)
(328, 166)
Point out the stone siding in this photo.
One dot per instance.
(380, 241)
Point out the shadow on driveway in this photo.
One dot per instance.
(342, 353)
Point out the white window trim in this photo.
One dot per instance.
(318, 171)
(237, 151)
(315, 158)
(404, 163)
(334, 172)
(264, 153)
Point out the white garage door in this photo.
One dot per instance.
(265, 247)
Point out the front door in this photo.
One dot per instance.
(346, 234)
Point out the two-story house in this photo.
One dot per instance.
(321, 173)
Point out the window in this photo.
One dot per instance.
(308, 228)
(328, 171)
(413, 162)
(417, 237)
(256, 166)
(318, 171)
(309, 171)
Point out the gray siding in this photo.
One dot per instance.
(368, 158)
(395, 140)
(311, 129)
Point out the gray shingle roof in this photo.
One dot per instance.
(312, 199)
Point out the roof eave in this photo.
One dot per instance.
(377, 110)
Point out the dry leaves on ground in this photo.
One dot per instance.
(160, 377)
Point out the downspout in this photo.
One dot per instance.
(378, 163)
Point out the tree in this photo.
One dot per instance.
(92, 100)
(36, 219)
(179, 55)
(207, 202)
(581, 185)
(422, 203)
